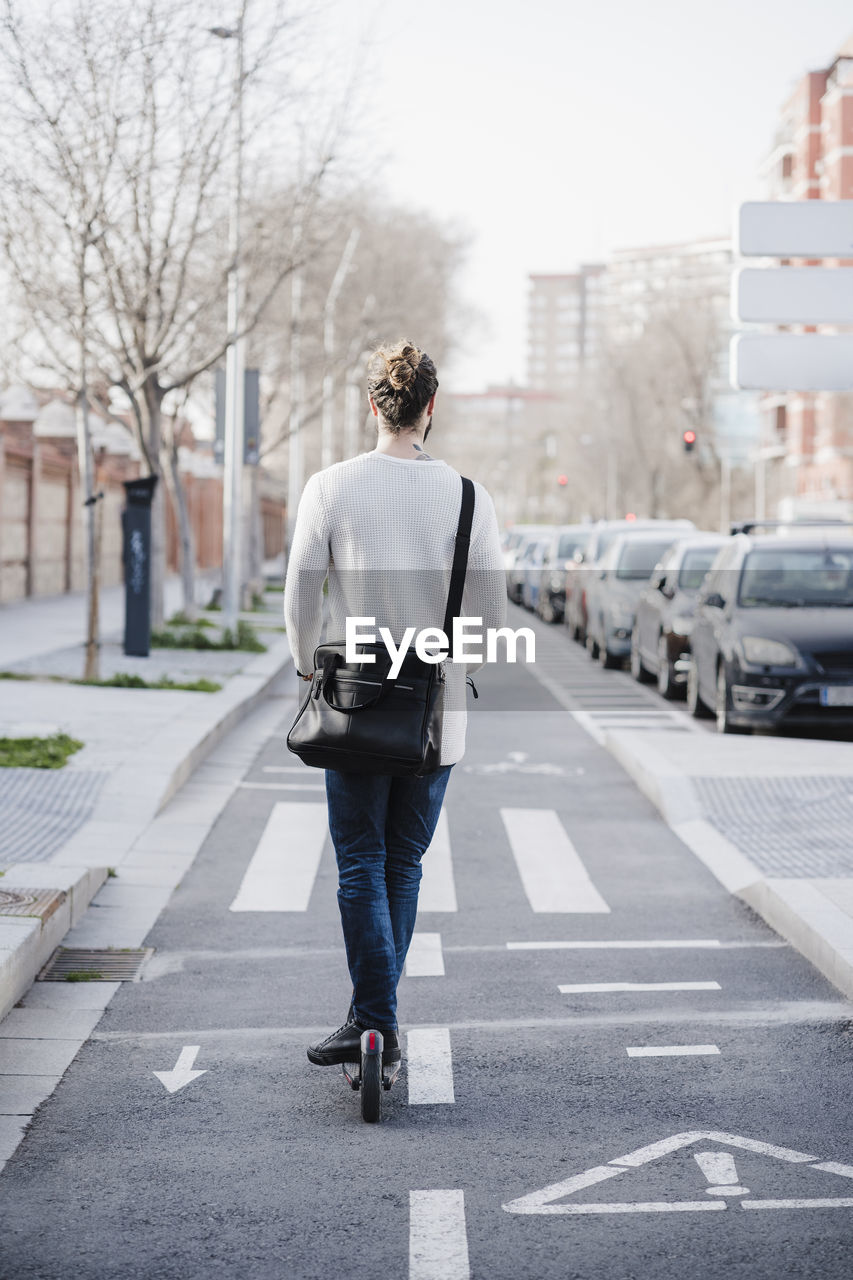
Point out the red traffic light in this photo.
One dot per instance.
(561, 480)
(689, 439)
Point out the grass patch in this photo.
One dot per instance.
(125, 681)
(195, 637)
(180, 619)
(37, 753)
(83, 975)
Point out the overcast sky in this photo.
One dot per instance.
(554, 130)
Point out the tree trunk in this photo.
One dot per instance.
(151, 401)
(86, 467)
(185, 532)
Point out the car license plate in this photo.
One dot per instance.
(837, 695)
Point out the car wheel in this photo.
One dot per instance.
(722, 709)
(667, 688)
(695, 705)
(638, 670)
(607, 659)
(591, 647)
(545, 608)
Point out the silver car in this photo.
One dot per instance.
(614, 590)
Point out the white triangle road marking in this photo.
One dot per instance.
(543, 1201)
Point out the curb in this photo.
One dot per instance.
(136, 792)
(27, 942)
(796, 909)
(130, 800)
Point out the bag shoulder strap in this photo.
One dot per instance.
(460, 556)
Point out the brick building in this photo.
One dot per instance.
(807, 439)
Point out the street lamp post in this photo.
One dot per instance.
(235, 361)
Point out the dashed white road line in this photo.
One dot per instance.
(430, 1066)
(550, 867)
(438, 887)
(607, 944)
(571, 988)
(425, 958)
(284, 866)
(438, 1239)
(671, 1050)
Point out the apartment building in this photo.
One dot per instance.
(564, 328)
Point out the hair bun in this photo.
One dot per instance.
(402, 366)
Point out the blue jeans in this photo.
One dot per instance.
(381, 827)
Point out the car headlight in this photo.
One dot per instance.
(770, 653)
(681, 625)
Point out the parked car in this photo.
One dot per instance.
(532, 568)
(772, 639)
(512, 539)
(559, 552)
(598, 541)
(520, 556)
(614, 589)
(660, 642)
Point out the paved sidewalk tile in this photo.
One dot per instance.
(49, 1024)
(20, 1095)
(11, 1131)
(27, 1057)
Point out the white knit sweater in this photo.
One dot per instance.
(382, 528)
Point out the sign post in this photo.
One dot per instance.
(136, 525)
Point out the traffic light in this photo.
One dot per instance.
(689, 438)
(562, 481)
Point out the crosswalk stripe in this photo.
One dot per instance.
(550, 867)
(671, 1050)
(425, 958)
(438, 888)
(284, 866)
(430, 1066)
(438, 1239)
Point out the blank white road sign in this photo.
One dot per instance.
(792, 362)
(796, 229)
(793, 295)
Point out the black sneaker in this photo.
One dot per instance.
(344, 1045)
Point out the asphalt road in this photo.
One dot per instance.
(261, 1167)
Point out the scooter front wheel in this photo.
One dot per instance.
(371, 1076)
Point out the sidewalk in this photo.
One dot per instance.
(770, 817)
(63, 828)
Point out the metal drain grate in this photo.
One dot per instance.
(82, 964)
(31, 902)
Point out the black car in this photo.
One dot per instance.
(564, 542)
(660, 641)
(772, 639)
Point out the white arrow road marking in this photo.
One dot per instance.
(425, 958)
(551, 870)
(718, 1166)
(438, 888)
(438, 1240)
(670, 1050)
(572, 987)
(182, 1072)
(430, 1069)
(284, 866)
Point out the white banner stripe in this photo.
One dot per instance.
(550, 867)
(284, 866)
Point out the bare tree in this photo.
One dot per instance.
(116, 158)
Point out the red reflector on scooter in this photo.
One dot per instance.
(372, 1040)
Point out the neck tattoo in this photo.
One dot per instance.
(423, 456)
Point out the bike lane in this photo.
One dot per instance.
(514, 1089)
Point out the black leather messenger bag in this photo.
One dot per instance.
(355, 718)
